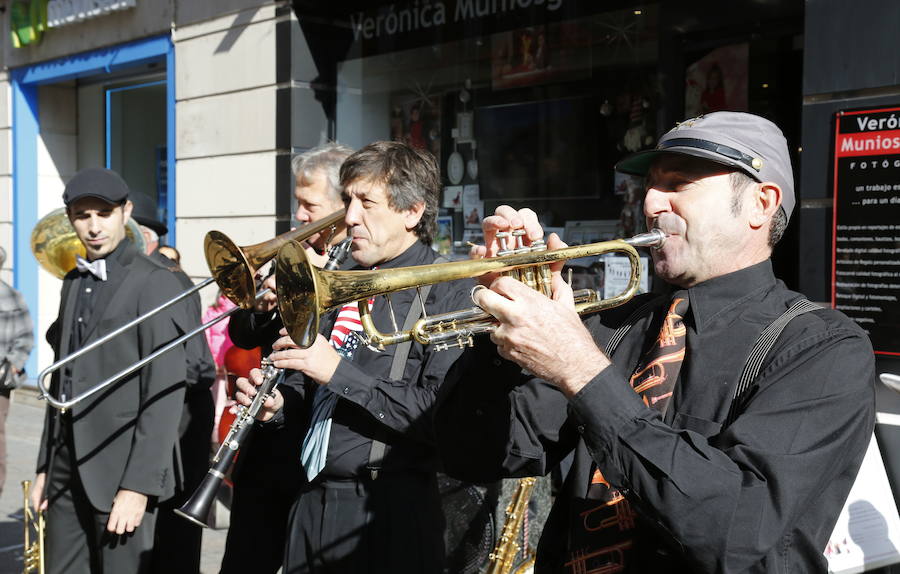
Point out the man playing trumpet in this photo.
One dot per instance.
(370, 499)
(687, 456)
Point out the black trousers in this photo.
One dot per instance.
(178, 541)
(393, 524)
(75, 534)
(266, 481)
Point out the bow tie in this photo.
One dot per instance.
(96, 268)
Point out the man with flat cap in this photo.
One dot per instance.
(717, 428)
(178, 541)
(106, 463)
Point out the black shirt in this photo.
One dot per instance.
(371, 405)
(760, 495)
(90, 291)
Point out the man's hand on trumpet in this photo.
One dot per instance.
(543, 335)
(505, 219)
(38, 502)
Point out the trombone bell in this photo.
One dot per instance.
(228, 264)
(234, 268)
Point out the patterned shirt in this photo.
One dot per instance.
(16, 331)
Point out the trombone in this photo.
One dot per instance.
(305, 292)
(233, 268)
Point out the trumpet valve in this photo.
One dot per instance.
(462, 341)
(503, 240)
(519, 240)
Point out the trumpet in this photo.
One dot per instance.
(304, 292)
(233, 268)
(33, 559)
(196, 509)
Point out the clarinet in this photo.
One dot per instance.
(196, 509)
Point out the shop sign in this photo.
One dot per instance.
(866, 241)
(405, 24)
(27, 22)
(420, 16)
(65, 12)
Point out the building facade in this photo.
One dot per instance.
(529, 102)
(190, 101)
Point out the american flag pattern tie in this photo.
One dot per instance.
(315, 444)
(346, 323)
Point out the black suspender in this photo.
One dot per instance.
(398, 365)
(758, 354)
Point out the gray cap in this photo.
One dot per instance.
(747, 142)
(96, 182)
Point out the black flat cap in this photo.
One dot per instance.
(96, 182)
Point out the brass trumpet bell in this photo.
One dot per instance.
(300, 297)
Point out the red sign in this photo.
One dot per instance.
(866, 242)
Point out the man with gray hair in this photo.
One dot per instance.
(318, 190)
(266, 477)
(16, 341)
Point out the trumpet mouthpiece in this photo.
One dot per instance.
(654, 238)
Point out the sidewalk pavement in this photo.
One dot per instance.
(23, 433)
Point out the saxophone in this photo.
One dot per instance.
(504, 557)
(34, 551)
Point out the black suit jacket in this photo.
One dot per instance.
(201, 369)
(124, 436)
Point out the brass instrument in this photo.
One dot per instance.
(33, 559)
(233, 268)
(196, 509)
(55, 245)
(304, 292)
(506, 554)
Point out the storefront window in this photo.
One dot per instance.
(531, 103)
